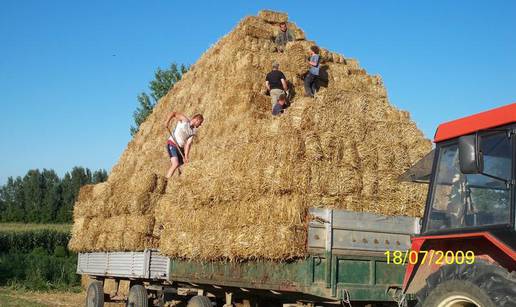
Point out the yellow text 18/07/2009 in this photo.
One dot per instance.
(432, 256)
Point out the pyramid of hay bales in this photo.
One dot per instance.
(251, 179)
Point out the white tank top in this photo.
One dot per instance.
(182, 133)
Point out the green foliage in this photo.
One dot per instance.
(43, 197)
(141, 113)
(99, 176)
(26, 241)
(38, 270)
(37, 260)
(19, 227)
(163, 81)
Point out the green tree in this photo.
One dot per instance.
(142, 111)
(52, 196)
(99, 176)
(14, 203)
(43, 197)
(72, 182)
(163, 81)
(33, 195)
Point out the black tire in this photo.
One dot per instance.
(482, 284)
(138, 297)
(95, 294)
(199, 301)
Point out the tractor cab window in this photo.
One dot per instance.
(462, 201)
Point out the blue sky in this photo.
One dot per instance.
(70, 71)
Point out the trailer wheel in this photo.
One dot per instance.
(199, 301)
(95, 294)
(138, 297)
(470, 285)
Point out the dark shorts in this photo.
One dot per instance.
(173, 151)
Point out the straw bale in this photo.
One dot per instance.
(298, 34)
(101, 191)
(256, 27)
(251, 178)
(353, 63)
(86, 192)
(272, 16)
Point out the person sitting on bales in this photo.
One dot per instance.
(284, 36)
(313, 72)
(276, 83)
(277, 109)
(180, 141)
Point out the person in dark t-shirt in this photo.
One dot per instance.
(276, 83)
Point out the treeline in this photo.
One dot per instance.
(43, 197)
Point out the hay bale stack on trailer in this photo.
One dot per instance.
(257, 175)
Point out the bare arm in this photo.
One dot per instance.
(313, 63)
(175, 115)
(267, 85)
(187, 148)
(285, 86)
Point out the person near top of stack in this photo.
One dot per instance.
(276, 83)
(284, 36)
(180, 141)
(313, 72)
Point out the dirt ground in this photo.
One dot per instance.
(19, 298)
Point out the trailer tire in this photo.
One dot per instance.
(199, 301)
(95, 294)
(483, 284)
(138, 297)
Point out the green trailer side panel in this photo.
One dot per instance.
(318, 268)
(360, 278)
(354, 271)
(287, 276)
(389, 273)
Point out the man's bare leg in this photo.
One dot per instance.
(174, 164)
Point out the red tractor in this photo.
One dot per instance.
(466, 252)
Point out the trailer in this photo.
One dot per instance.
(346, 263)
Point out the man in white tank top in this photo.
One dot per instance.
(180, 141)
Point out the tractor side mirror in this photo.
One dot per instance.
(470, 157)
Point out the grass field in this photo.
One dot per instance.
(20, 298)
(33, 227)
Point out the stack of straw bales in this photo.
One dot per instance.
(251, 179)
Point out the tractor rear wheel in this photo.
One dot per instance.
(469, 285)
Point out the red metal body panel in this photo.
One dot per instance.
(483, 244)
(485, 120)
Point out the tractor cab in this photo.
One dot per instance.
(473, 175)
(472, 187)
(471, 209)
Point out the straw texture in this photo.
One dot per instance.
(246, 192)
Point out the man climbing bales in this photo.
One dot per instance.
(180, 141)
(276, 83)
(277, 109)
(284, 36)
(313, 72)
